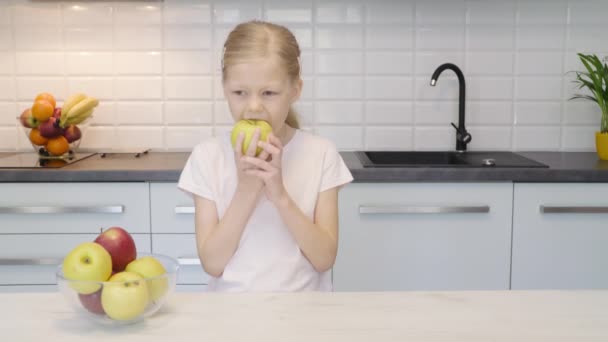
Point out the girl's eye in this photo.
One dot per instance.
(269, 93)
(238, 92)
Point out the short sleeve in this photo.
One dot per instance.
(335, 172)
(195, 178)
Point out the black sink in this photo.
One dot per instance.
(486, 159)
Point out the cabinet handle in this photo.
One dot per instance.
(553, 209)
(188, 261)
(398, 209)
(30, 262)
(181, 209)
(111, 209)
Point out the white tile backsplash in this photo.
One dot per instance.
(366, 67)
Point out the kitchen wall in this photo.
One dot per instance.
(366, 66)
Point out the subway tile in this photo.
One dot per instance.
(7, 63)
(38, 38)
(344, 137)
(485, 63)
(339, 112)
(221, 113)
(137, 13)
(139, 137)
(138, 88)
(100, 138)
(307, 62)
(439, 113)
(138, 63)
(428, 61)
(339, 37)
(389, 112)
(222, 130)
(303, 36)
(8, 112)
(490, 88)
(582, 112)
(78, 14)
(440, 12)
(187, 13)
(28, 87)
(6, 38)
(579, 138)
(104, 114)
(8, 138)
(218, 88)
(40, 63)
(389, 37)
(389, 138)
(490, 138)
(89, 38)
(137, 38)
(89, 63)
(542, 12)
(190, 112)
(144, 113)
(489, 112)
(188, 88)
(588, 12)
(187, 38)
(295, 12)
(530, 113)
(389, 63)
(490, 38)
(434, 138)
(540, 37)
(305, 112)
(490, 12)
(29, 14)
(339, 62)
(445, 89)
(587, 38)
(99, 87)
(536, 138)
(393, 88)
(220, 36)
(308, 87)
(440, 37)
(390, 12)
(237, 11)
(342, 13)
(338, 87)
(185, 138)
(539, 63)
(538, 88)
(5, 16)
(187, 62)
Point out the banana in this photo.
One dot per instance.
(82, 107)
(71, 102)
(74, 120)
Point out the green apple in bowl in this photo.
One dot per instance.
(248, 127)
(124, 296)
(152, 270)
(90, 263)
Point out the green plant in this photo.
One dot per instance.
(595, 79)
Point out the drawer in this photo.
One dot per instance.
(188, 288)
(172, 209)
(33, 258)
(73, 207)
(183, 248)
(27, 288)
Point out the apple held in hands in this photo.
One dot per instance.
(149, 267)
(88, 261)
(120, 245)
(125, 296)
(248, 127)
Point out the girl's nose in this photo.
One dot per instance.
(255, 105)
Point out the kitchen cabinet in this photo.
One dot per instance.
(560, 236)
(42, 222)
(424, 236)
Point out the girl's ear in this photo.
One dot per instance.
(297, 90)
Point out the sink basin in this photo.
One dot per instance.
(468, 159)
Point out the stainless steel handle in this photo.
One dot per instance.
(182, 209)
(188, 261)
(30, 262)
(556, 209)
(430, 209)
(110, 209)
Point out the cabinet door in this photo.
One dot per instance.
(560, 236)
(172, 209)
(73, 207)
(183, 248)
(424, 236)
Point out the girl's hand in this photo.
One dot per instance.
(247, 182)
(268, 169)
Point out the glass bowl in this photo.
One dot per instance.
(120, 302)
(64, 143)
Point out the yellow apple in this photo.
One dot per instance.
(125, 296)
(149, 267)
(88, 261)
(248, 127)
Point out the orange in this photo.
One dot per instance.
(36, 138)
(42, 110)
(58, 145)
(47, 97)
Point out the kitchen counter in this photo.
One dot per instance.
(470, 316)
(167, 166)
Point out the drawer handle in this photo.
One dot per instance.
(111, 209)
(188, 261)
(552, 209)
(31, 262)
(179, 210)
(422, 209)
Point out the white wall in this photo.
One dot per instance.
(367, 66)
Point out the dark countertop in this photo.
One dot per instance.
(167, 166)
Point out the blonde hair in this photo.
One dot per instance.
(258, 39)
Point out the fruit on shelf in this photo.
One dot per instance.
(36, 138)
(42, 110)
(72, 133)
(58, 146)
(50, 128)
(27, 120)
(76, 111)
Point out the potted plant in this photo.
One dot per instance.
(595, 79)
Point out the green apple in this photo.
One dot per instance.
(248, 127)
(88, 261)
(149, 267)
(125, 296)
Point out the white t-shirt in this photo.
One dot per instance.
(268, 259)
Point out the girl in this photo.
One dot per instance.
(265, 223)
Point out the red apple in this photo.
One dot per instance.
(50, 128)
(72, 133)
(119, 243)
(27, 120)
(57, 113)
(92, 302)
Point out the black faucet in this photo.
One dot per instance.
(462, 136)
